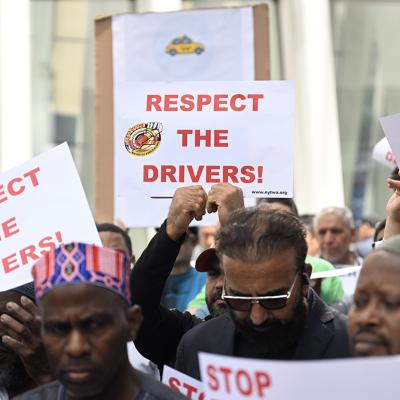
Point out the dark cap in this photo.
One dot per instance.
(27, 290)
(208, 260)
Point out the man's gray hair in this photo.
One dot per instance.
(343, 212)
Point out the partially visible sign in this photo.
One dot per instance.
(189, 387)
(229, 378)
(383, 153)
(391, 127)
(42, 204)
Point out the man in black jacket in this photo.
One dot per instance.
(273, 312)
(162, 329)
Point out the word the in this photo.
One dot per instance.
(210, 138)
(199, 102)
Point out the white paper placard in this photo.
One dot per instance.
(229, 378)
(42, 205)
(391, 127)
(169, 135)
(383, 153)
(189, 387)
(143, 45)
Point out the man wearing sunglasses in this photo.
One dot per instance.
(273, 313)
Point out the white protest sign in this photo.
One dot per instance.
(169, 135)
(185, 45)
(383, 153)
(189, 387)
(42, 205)
(339, 272)
(391, 127)
(229, 378)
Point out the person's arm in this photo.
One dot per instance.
(162, 329)
(392, 227)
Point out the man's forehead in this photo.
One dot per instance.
(331, 220)
(114, 240)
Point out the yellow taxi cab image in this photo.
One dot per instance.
(184, 45)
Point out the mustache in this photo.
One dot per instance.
(369, 331)
(217, 295)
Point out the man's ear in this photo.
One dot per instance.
(135, 319)
(132, 260)
(353, 234)
(306, 278)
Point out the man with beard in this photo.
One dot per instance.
(374, 319)
(162, 329)
(274, 314)
(14, 379)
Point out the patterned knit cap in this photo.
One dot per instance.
(82, 263)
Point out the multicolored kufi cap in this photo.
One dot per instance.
(82, 263)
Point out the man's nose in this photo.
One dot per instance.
(370, 315)
(258, 314)
(77, 345)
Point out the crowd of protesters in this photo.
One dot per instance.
(98, 323)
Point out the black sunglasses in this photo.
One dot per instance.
(244, 303)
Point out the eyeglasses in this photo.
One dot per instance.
(244, 303)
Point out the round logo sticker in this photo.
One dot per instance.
(144, 138)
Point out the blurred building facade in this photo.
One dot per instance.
(342, 55)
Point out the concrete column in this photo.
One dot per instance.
(15, 83)
(308, 61)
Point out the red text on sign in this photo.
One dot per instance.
(207, 173)
(247, 383)
(19, 184)
(30, 253)
(186, 389)
(200, 102)
(8, 228)
(210, 138)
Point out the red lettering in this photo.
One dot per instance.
(226, 372)
(150, 173)
(203, 100)
(9, 227)
(248, 174)
(247, 388)
(198, 138)
(263, 382)
(219, 101)
(32, 174)
(212, 174)
(174, 383)
(187, 101)
(190, 390)
(3, 196)
(12, 190)
(171, 102)
(27, 253)
(47, 244)
(255, 98)
(184, 133)
(221, 138)
(195, 177)
(213, 382)
(235, 97)
(9, 263)
(230, 172)
(153, 100)
(168, 171)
